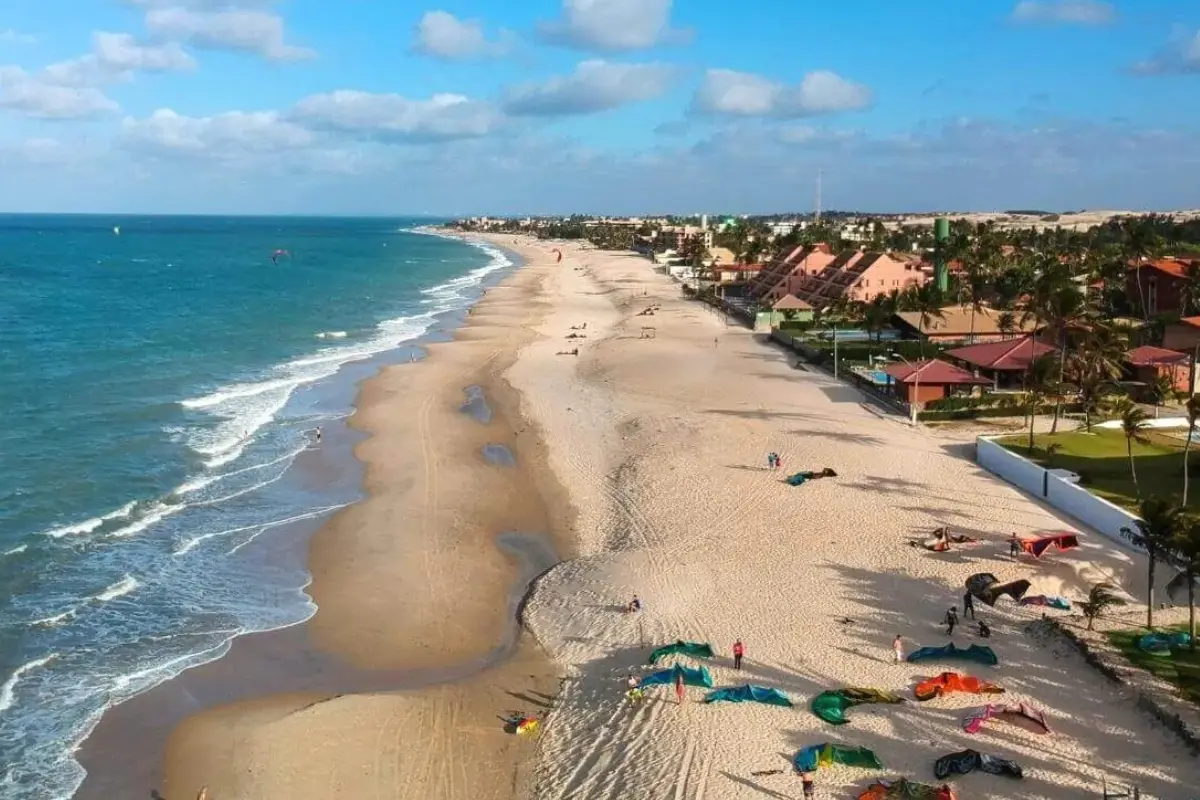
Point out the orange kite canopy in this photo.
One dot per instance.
(903, 788)
(949, 682)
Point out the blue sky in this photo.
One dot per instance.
(615, 106)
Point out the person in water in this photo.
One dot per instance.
(317, 434)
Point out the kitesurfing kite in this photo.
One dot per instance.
(1037, 546)
(941, 540)
(949, 682)
(988, 588)
(1022, 715)
(275, 256)
(966, 761)
(906, 789)
(680, 647)
(831, 706)
(980, 654)
(826, 754)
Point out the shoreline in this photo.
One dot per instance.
(286, 659)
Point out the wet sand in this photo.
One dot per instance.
(419, 585)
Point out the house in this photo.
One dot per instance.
(859, 276)
(1160, 284)
(1003, 363)
(676, 236)
(1144, 364)
(734, 273)
(778, 278)
(931, 379)
(1182, 336)
(960, 324)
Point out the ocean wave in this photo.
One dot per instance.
(119, 589)
(331, 335)
(21, 548)
(89, 525)
(55, 620)
(8, 689)
(155, 512)
(193, 543)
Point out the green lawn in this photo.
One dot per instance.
(1101, 460)
(1161, 666)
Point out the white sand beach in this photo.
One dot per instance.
(662, 445)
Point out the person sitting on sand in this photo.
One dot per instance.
(635, 605)
(985, 631)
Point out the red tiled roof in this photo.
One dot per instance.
(1148, 356)
(1175, 267)
(933, 371)
(1011, 355)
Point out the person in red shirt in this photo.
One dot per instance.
(739, 650)
(679, 687)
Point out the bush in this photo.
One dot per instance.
(981, 412)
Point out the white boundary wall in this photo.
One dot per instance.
(1092, 511)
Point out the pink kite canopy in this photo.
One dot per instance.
(1022, 715)
(1037, 546)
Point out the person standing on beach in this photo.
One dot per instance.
(679, 687)
(635, 605)
(739, 650)
(771, 460)
(898, 649)
(1014, 546)
(951, 620)
(968, 605)
(317, 434)
(807, 785)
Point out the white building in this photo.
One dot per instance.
(675, 236)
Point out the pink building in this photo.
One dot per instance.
(778, 279)
(859, 277)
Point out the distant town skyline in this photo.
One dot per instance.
(478, 107)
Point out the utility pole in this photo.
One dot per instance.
(817, 216)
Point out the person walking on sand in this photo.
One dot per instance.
(778, 462)
(771, 460)
(968, 605)
(898, 649)
(951, 620)
(739, 650)
(1014, 546)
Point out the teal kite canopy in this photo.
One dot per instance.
(824, 754)
(693, 649)
(747, 694)
(831, 706)
(977, 653)
(691, 677)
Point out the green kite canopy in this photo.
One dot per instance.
(831, 706)
(825, 754)
(691, 677)
(693, 649)
(748, 693)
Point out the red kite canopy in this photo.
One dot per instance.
(949, 682)
(1037, 546)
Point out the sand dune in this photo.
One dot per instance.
(662, 443)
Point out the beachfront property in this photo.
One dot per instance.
(677, 237)
(1161, 283)
(1004, 363)
(1146, 364)
(859, 276)
(932, 379)
(962, 323)
(784, 274)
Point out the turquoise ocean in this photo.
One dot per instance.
(158, 378)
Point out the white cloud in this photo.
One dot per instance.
(10, 36)
(594, 86)
(1067, 12)
(238, 29)
(232, 132)
(726, 92)
(443, 35)
(34, 96)
(115, 57)
(612, 25)
(390, 116)
(1180, 55)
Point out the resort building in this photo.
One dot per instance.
(859, 277)
(734, 273)
(1161, 284)
(784, 273)
(1182, 336)
(929, 380)
(1003, 363)
(1145, 364)
(961, 324)
(675, 237)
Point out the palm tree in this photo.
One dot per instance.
(1101, 597)
(1154, 532)
(1186, 549)
(1039, 381)
(1189, 293)
(1192, 406)
(1140, 244)
(1134, 423)
(1160, 390)
(927, 301)
(1095, 366)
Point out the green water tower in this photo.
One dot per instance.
(941, 237)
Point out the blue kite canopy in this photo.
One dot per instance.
(1160, 644)
(977, 653)
(748, 693)
(691, 677)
